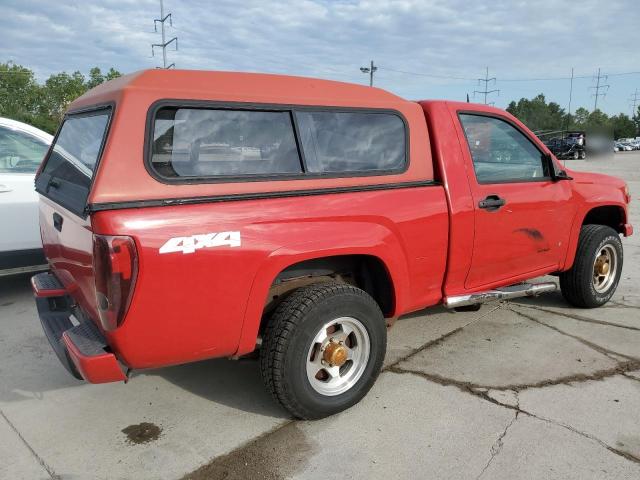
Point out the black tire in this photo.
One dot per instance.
(289, 335)
(583, 155)
(576, 155)
(576, 284)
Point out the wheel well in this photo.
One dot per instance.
(609, 215)
(364, 271)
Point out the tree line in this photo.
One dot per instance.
(43, 104)
(542, 117)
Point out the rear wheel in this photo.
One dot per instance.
(596, 271)
(583, 154)
(576, 155)
(322, 349)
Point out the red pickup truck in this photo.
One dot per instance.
(188, 215)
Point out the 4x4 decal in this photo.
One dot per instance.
(205, 240)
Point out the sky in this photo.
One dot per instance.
(423, 49)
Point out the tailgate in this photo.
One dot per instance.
(64, 184)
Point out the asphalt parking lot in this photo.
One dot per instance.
(521, 389)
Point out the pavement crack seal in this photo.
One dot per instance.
(623, 305)
(471, 389)
(580, 318)
(205, 471)
(598, 348)
(626, 455)
(620, 369)
(43, 464)
(441, 338)
(496, 448)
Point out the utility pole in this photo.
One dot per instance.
(370, 70)
(486, 81)
(163, 18)
(570, 98)
(599, 87)
(635, 98)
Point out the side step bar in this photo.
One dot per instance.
(503, 293)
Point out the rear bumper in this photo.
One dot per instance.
(80, 346)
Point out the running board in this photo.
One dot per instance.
(503, 293)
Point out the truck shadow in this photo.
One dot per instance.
(233, 383)
(554, 300)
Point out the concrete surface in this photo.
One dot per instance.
(523, 389)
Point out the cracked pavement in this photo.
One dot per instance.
(524, 389)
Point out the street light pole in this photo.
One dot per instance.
(370, 71)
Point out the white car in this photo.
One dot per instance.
(22, 148)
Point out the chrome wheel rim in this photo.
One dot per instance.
(605, 266)
(338, 356)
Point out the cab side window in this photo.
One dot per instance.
(500, 152)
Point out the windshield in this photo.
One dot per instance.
(20, 152)
(68, 171)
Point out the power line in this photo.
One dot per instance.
(599, 87)
(370, 70)
(447, 77)
(163, 18)
(486, 81)
(533, 79)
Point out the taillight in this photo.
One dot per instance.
(115, 268)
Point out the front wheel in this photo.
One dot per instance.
(595, 274)
(583, 154)
(322, 349)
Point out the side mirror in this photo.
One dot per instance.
(562, 175)
(554, 172)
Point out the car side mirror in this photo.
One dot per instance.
(562, 175)
(555, 173)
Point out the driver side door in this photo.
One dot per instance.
(521, 214)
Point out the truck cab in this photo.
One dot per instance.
(188, 215)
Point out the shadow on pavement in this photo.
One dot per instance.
(234, 383)
(554, 300)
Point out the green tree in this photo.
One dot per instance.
(19, 92)
(537, 114)
(23, 99)
(623, 126)
(580, 119)
(96, 77)
(59, 91)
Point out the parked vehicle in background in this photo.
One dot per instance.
(564, 149)
(22, 148)
(565, 145)
(190, 215)
(622, 147)
(579, 142)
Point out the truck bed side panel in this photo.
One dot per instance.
(190, 306)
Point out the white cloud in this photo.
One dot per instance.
(332, 38)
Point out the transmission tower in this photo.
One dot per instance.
(163, 18)
(599, 87)
(634, 100)
(486, 81)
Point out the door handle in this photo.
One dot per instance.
(491, 203)
(57, 221)
(5, 188)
